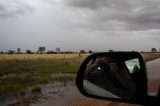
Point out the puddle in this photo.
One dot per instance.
(60, 97)
(52, 93)
(58, 93)
(63, 75)
(7, 76)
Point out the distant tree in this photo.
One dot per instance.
(58, 49)
(51, 52)
(18, 50)
(1, 52)
(82, 51)
(90, 51)
(41, 49)
(11, 52)
(110, 51)
(29, 52)
(153, 50)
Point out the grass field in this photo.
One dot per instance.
(20, 71)
(25, 57)
(150, 56)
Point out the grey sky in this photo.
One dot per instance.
(98, 25)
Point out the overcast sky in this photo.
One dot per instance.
(98, 25)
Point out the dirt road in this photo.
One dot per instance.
(94, 102)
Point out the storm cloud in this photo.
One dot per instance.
(118, 14)
(11, 8)
(98, 25)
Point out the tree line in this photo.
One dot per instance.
(42, 50)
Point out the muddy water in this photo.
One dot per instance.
(58, 94)
(55, 92)
(14, 98)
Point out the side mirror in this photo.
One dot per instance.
(116, 76)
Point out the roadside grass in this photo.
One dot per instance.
(36, 89)
(149, 56)
(16, 67)
(17, 75)
(26, 57)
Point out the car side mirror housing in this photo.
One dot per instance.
(116, 76)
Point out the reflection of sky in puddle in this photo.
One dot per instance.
(56, 93)
(56, 88)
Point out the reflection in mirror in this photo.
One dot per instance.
(133, 65)
(113, 77)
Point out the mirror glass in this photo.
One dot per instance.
(131, 64)
(112, 76)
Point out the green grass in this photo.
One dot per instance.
(36, 89)
(40, 66)
(17, 75)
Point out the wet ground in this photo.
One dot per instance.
(70, 96)
(58, 94)
(61, 94)
(65, 93)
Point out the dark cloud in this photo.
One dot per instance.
(98, 4)
(10, 8)
(98, 25)
(125, 14)
(92, 4)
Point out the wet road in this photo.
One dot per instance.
(153, 69)
(153, 74)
